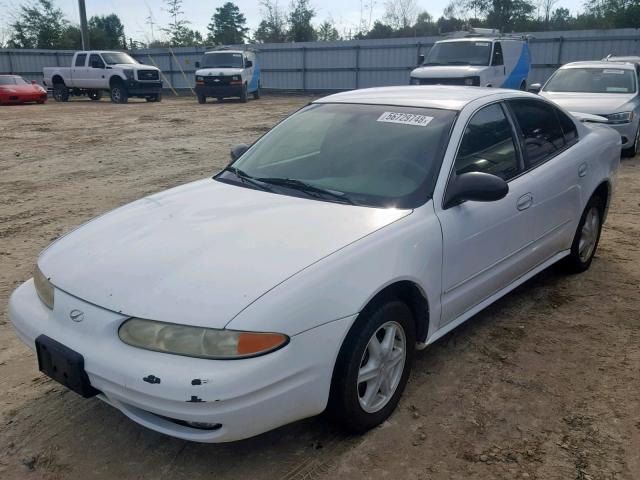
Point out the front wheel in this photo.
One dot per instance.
(373, 366)
(632, 151)
(119, 93)
(244, 95)
(587, 236)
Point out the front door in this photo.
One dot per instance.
(96, 72)
(486, 244)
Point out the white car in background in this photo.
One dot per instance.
(605, 88)
(305, 274)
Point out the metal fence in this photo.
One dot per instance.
(317, 66)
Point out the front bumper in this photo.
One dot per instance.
(219, 91)
(627, 131)
(245, 397)
(135, 87)
(21, 98)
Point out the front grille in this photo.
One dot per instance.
(148, 75)
(217, 80)
(448, 81)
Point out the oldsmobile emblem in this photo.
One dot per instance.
(76, 315)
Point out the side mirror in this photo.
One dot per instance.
(535, 88)
(475, 186)
(249, 64)
(420, 59)
(238, 150)
(33, 82)
(197, 64)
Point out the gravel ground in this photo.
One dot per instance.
(543, 384)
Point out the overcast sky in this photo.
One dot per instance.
(134, 13)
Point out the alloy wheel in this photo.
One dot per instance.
(589, 234)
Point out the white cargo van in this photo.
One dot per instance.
(481, 58)
(225, 72)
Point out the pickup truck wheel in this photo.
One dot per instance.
(220, 99)
(373, 366)
(95, 95)
(60, 92)
(157, 97)
(119, 93)
(202, 99)
(244, 96)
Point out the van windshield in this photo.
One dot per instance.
(223, 60)
(592, 80)
(459, 53)
(375, 155)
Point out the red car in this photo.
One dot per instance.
(15, 89)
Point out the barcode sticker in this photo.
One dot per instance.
(617, 72)
(405, 119)
(482, 44)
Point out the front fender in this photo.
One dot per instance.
(341, 284)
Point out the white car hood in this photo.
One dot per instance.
(203, 72)
(447, 71)
(200, 253)
(594, 103)
(134, 66)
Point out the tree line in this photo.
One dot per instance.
(42, 24)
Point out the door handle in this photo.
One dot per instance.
(582, 169)
(524, 202)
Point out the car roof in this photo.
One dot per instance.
(480, 39)
(599, 64)
(426, 96)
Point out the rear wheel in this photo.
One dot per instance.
(119, 93)
(95, 95)
(585, 241)
(373, 366)
(256, 94)
(156, 97)
(60, 92)
(202, 99)
(244, 95)
(220, 99)
(523, 86)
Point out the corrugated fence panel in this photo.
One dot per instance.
(347, 64)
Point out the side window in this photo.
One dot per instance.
(541, 132)
(95, 61)
(497, 54)
(488, 145)
(80, 58)
(568, 128)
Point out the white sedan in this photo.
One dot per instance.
(304, 275)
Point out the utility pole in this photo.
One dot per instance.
(84, 31)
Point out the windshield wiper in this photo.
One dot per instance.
(306, 187)
(246, 178)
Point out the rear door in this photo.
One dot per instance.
(79, 69)
(485, 244)
(547, 135)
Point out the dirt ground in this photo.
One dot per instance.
(544, 384)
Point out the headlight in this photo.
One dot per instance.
(198, 341)
(414, 81)
(622, 117)
(128, 73)
(44, 289)
(199, 79)
(235, 77)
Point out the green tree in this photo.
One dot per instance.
(379, 30)
(38, 25)
(273, 26)
(300, 28)
(180, 35)
(228, 26)
(106, 32)
(327, 32)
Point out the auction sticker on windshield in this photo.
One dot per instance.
(405, 119)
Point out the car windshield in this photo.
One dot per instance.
(116, 58)
(223, 60)
(375, 155)
(459, 53)
(12, 81)
(592, 80)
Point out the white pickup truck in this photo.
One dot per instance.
(93, 72)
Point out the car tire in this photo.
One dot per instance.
(119, 93)
(244, 96)
(586, 238)
(632, 151)
(94, 95)
(60, 92)
(523, 86)
(359, 405)
(202, 99)
(220, 99)
(256, 94)
(156, 97)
